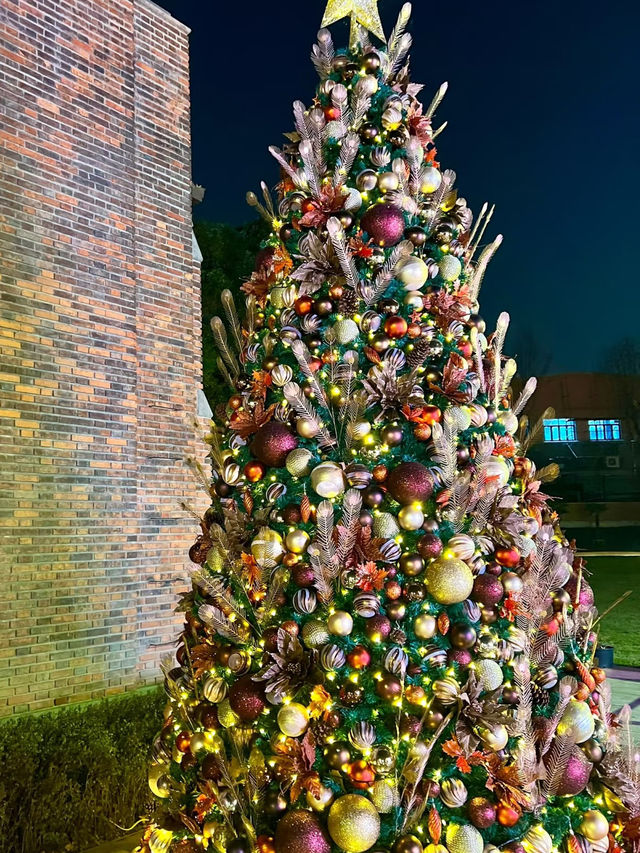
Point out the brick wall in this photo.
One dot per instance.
(99, 344)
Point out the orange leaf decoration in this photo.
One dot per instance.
(443, 623)
(573, 845)
(247, 500)
(305, 508)
(585, 676)
(435, 825)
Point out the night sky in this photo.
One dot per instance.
(543, 120)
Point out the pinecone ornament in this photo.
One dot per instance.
(348, 303)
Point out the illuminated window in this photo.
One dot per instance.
(560, 429)
(604, 430)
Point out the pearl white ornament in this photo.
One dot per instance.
(319, 804)
(307, 427)
(293, 719)
(430, 180)
(495, 738)
(453, 793)
(346, 331)
(509, 421)
(461, 546)
(340, 623)
(411, 518)
(414, 300)
(412, 272)
(497, 470)
(388, 182)
(450, 268)
(577, 722)
(511, 582)
(267, 548)
(327, 479)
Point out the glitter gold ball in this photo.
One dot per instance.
(449, 580)
(354, 823)
(463, 839)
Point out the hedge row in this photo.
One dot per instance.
(70, 777)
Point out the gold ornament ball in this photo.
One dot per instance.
(449, 580)
(411, 518)
(340, 623)
(537, 840)
(159, 780)
(494, 737)
(160, 840)
(297, 541)
(594, 825)
(327, 479)
(385, 525)
(215, 689)
(425, 626)
(293, 719)
(489, 674)
(384, 795)
(298, 462)
(346, 331)
(226, 715)
(463, 839)
(314, 634)
(450, 269)
(267, 548)
(307, 427)
(577, 722)
(321, 802)
(354, 823)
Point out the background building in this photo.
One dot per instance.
(594, 439)
(100, 361)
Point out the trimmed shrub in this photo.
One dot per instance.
(74, 777)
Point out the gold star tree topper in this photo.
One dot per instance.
(363, 13)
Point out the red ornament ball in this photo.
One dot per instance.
(303, 575)
(409, 482)
(246, 698)
(507, 815)
(359, 658)
(396, 327)
(508, 557)
(482, 812)
(362, 774)
(254, 471)
(272, 444)
(431, 415)
(384, 223)
(300, 832)
(487, 590)
(460, 656)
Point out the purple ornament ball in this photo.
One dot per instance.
(272, 444)
(384, 223)
(586, 593)
(430, 546)
(300, 832)
(487, 590)
(246, 698)
(576, 775)
(460, 656)
(409, 482)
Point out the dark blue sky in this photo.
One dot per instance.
(543, 120)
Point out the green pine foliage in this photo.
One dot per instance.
(228, 259)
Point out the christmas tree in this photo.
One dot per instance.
(388, 644)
